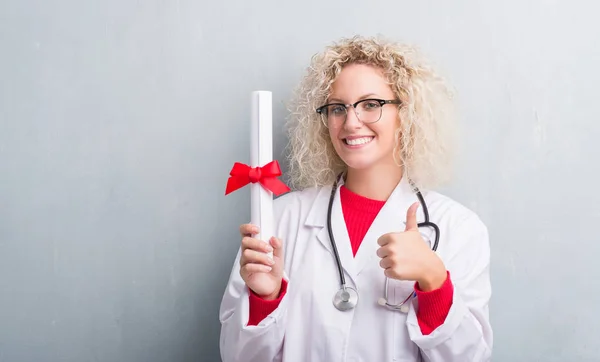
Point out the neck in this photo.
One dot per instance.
(375, 183)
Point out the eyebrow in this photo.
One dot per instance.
(336, 100)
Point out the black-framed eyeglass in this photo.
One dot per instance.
(367, 111)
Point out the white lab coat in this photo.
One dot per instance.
(307, 327)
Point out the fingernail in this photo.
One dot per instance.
(269, 248)
(271, 261)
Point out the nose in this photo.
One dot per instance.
(352, 121)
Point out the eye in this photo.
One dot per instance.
(337, 110)
(370, 105)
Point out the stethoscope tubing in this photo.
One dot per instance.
(343, 287)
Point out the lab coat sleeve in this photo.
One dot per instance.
(263, 342)
(241, 342)
(466, 334)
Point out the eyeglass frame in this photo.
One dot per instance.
(382, 102)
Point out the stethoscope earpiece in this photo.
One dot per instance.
(402, 308)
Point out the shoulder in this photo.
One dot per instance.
(297, 209)
(462, 227)
(297, 200)
(450, 211)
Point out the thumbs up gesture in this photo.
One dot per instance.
(406, 256)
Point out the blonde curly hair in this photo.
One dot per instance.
(424, 146)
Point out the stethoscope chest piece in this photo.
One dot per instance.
(346, 298)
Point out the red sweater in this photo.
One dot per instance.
(359, 212)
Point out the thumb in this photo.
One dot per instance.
(411, 217)
(277, 247)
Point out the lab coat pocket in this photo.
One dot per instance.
(404, 349)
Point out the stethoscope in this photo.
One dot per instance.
(346, 297)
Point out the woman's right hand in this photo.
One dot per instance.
(261, 274)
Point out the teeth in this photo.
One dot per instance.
(359, 141)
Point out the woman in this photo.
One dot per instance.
(373, 119)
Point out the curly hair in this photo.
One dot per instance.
(424, 140)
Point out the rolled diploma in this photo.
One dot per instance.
(261, 153)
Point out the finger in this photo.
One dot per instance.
(256, 244)
(383, 240)
(389, 272)
(250, 256)
(411, 217)
(248, 230)
(383, 252)
(386, 263)
(277, 245)
(255, 268)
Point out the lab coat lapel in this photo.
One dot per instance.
(391, 218)
(340, 233)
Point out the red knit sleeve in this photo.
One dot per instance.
(259, 308)
(434, 305)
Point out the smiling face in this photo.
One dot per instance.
(363, 145)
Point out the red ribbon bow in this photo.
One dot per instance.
(241, 175)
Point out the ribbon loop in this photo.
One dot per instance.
(241, 175)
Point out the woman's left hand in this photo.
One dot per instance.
(406, 256)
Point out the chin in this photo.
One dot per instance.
(367, 161)
(358, 164)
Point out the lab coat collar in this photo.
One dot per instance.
(317, 215)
